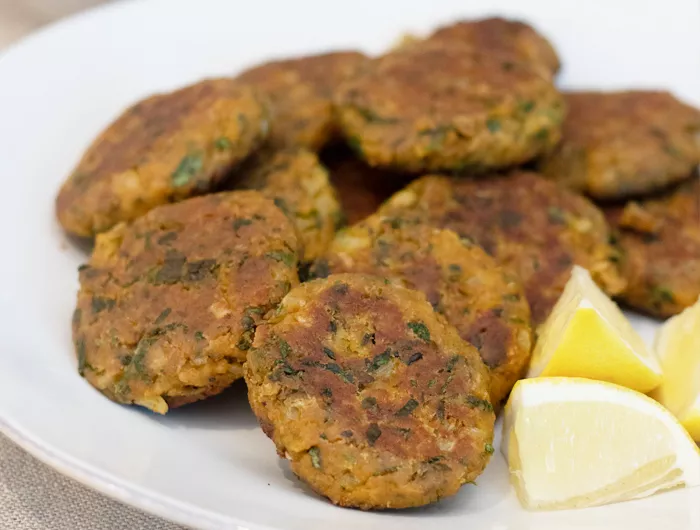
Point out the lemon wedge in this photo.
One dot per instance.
(572, 443)
(677, 346)
(586, 335)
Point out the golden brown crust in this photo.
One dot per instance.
(297, 182)
(530, 225)
(164, 149)
(301, 91)
(168, 305)
(449, 108)
(621, 144)
(482, 301)
(501, 35)
(370, 394)
(660, 243)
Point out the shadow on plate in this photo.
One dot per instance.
(84, 245)
(227, 411)
(296, 482)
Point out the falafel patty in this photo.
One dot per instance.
(533, 227)
(164, 149)
(660, 242)
(360, 188)
(372, 396)
(168, 305)
(481, 300)
(501, 35)
(449, 108)
(301, 90)
(616, 145)
(297, 182)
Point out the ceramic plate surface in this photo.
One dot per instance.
(209, 465)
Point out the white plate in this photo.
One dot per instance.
(209, 465)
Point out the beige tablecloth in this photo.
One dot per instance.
(35, 497)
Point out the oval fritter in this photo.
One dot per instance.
(449, 108)
(164, 149)
(297, 182)
(660, 243)
(481, 300)
(361, 188)
(168, 305)
(621, 144)
(301, 92)
(530, 225)
(501, 35)
(370, 394)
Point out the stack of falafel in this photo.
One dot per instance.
(375, 355)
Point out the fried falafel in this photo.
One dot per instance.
(164, 149)
(169, 304)
(485, 303)
(533, 227)
(373, 398)
(501, 35)
(660, 243)
(617, 145)
(449, 108)
(300, 90)
(298, 183)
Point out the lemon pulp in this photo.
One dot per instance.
(677, 345)
(587, 335)
(573, 442)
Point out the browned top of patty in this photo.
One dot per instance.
(530, 225)
(660, 242)
(620, 144)
(165, 148)
(502, 35)
(436, 107)
(301, 90)
(169, 304)
(485, 303)
(373, 397)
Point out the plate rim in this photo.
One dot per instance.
(87, 475)
(127, 493)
